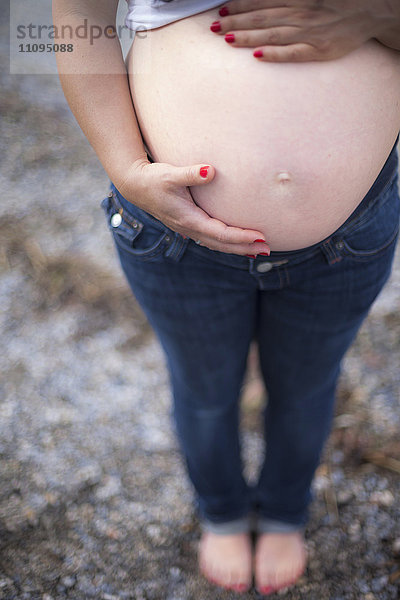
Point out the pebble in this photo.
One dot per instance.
(175, 572)
(363, 586)
(111, 487)
(337, 456)
(354, 528)
(68, 581)
(382, 498)
(156, 534)
(396, 546)
(379, 583)
(344, 496)
(87, 475)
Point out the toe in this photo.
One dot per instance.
(266, 590)
(241, 587)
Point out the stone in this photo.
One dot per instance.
(382, 498)
(396, 546)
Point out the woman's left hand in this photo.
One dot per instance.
(304, 30)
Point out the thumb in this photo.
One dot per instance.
(193, 175)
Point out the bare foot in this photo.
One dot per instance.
(280, 559)
(226, 560)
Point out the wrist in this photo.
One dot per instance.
(128, 178)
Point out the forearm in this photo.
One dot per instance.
(95, 84)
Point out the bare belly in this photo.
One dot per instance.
(295, 146)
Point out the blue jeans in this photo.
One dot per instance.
(303, 308)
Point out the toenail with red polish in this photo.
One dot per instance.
(251, 255)
(267, 590)
(240, 587)
(258, 53)
(230, 38)
(264, 241)
(224, 11)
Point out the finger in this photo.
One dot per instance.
(200, 226)
(243, 6)
(188, 176)
(235, 7)
(279, 36)
(299, 52)
(258, 19)
(250, 250)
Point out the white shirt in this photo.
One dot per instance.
(149, 14)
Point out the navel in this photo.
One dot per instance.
(283, 177)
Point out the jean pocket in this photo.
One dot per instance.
(376, 231)
(139, 237)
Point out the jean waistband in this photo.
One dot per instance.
(382, 182)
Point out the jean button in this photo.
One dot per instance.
(264, 267)
(116, 220)
(339, 245)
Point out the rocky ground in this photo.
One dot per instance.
(94, 502)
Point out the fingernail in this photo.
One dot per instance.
(223, 11)
(258, 53)
(264, 253)
(230, 37)
(263, 241)
(216, 26)
(251, 255)
(204, 172)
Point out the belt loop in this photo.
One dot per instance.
(330, 251)
(177, 247)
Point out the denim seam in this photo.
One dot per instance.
(363, 216)
(360, 255)
(147, 254)
(176, 248)
(145, 216)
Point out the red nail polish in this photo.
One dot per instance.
(240, 587)
(264, 253)
(258, 53)
(224, 12)
(216, 26)
(251, 255)
(267, 590)
(230, 37)
(204, 172)
(264, 241)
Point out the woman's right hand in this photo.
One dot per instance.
(163, 191)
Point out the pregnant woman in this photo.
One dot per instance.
(253, 197)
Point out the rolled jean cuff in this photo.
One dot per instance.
(245, 524)
(265, 525)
